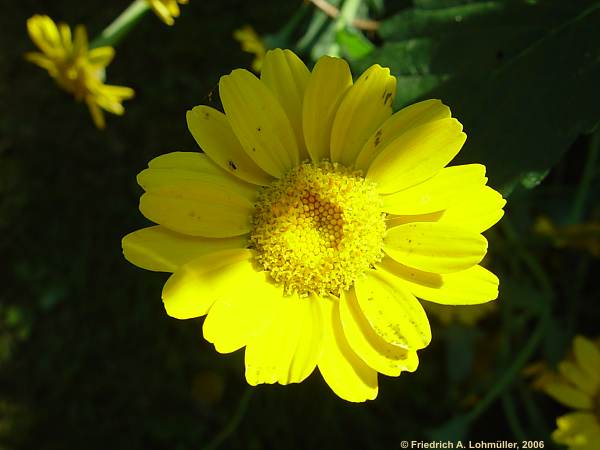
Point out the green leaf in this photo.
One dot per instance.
(518, 75)
(353, 43)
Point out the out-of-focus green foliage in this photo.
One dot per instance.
(518, 74)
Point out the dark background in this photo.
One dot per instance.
(88, 357)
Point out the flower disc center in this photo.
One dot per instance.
(318, 229)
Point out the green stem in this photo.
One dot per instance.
(507, 377)
(233, 423)
(533, 412)
(586, 179)
(530, 261)
(122, 25)
(511, 416)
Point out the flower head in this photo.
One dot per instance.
(167, 10)
(76, 68)
(251, 43)
(312, 222)
(577, 386)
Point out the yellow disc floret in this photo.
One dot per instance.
(318, 229)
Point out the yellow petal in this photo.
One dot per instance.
(157, 248)
(438, 192)
(194, 287)
(41, 60)
(578, 430)
(80, 43)
(328, 83)
(364, 108)
(96, 113)
(65, 36)
(402, 121)
(287, 351)
(156, 179)
(578, 378)
(568, 396)
(588, 357)
(476, 210)
(417, 155)
(435, 247)
(199, 201)
(468, 287)
(345, 373)
(44, 33)
(184, 160)
(101, 56)
(162, 11)
(214, 135)
(393, 312)
(259, 122)
(308, 350)
(243, 311)
(373, 350)
(287, 76)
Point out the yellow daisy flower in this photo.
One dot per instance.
(313, 219)
(167, 10)
(76, 69)
(577, 386)
(251, 43)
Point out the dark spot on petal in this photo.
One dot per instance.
(378, 137)
(258, 129)
(388, 97)
(206, 115)
(231, 165)
(253, 149)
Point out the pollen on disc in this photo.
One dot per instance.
(318, 229)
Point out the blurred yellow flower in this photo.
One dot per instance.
(577, 386)
(251, 43)
(582, 236)
(167, 10)
(465, 314)
(77, 69)
(313, 220)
